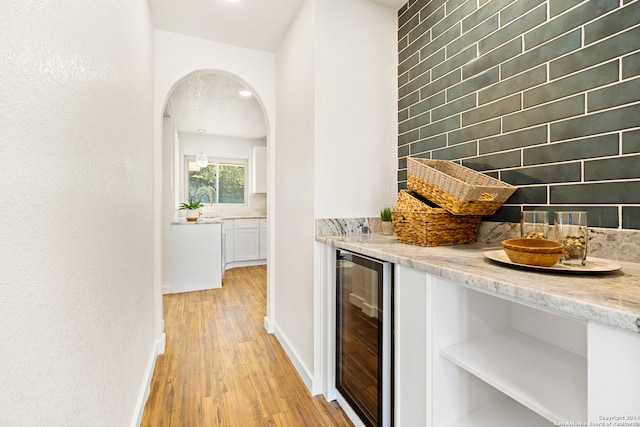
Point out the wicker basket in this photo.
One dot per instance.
(417, 223)
(456, 188)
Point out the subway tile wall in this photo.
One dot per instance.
(542, 94)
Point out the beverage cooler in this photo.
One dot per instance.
(364, 336)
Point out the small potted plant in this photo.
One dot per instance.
(193, 209)
(387, 224)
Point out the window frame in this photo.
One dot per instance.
(218, 161)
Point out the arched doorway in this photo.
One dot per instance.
(213, 93)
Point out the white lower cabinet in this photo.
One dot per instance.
(470, 358)
(227, 236)
(246, 239)
(195, 257)
(614, 375)
(410, 343)
(244, 243)
(263, 239)
(531, 357)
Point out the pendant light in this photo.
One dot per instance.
(202, 161)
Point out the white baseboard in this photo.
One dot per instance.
(143, 395)
(267, 325)
(304, 373)
(162, 344)
(236, 264)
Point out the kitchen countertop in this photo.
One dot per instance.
(214, 220)
(611, 298)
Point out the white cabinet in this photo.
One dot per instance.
(614, 374)
(411, 403)
(227, 241)
(195, 257)
(246, 239)
(259, 170)
(263, 239)
(244, 242)
(476, 358)
(501, 354)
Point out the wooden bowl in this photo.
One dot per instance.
(543, 253)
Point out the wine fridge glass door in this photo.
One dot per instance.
(363, 310)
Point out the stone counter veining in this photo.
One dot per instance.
(611, 298)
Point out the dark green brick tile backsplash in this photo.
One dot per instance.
(543, 94)
(599, 146)
(631, 217)
(602, 192)
(556, 7)
(631, 66)
(631, 142)
(513, 30)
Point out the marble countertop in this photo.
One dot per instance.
(611, 298)
(214, 220)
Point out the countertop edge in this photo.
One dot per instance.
(214, 220)
(489, 281)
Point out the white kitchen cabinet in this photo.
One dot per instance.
(244, 242)
(246, 239)
(500, 353)
(259, 170)
(478, 358)
(196, 251)
(411, 404)
(614, 375)
(227, 235)
(263, 239)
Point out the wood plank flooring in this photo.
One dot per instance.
(221, 368)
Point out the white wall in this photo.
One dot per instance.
(294, 168)
(76, 276)
(336, 127)
(356, 108)
(169, 189)
(220, 147)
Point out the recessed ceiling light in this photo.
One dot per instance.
(245, 92)
(202, 130)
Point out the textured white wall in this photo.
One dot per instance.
(335, 153)
(169, 142)
(76, 273)
(356, 108)
(294, 165)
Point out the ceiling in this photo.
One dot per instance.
(209, 101)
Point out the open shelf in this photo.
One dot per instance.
(546, 379)
(502, 414)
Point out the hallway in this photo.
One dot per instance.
(221, 368)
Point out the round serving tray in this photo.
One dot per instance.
(594, 265)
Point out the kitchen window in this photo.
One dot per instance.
(221, 182)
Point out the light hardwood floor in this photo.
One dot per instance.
(221, 368)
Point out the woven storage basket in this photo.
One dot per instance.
(417, 223)
(456, 188)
